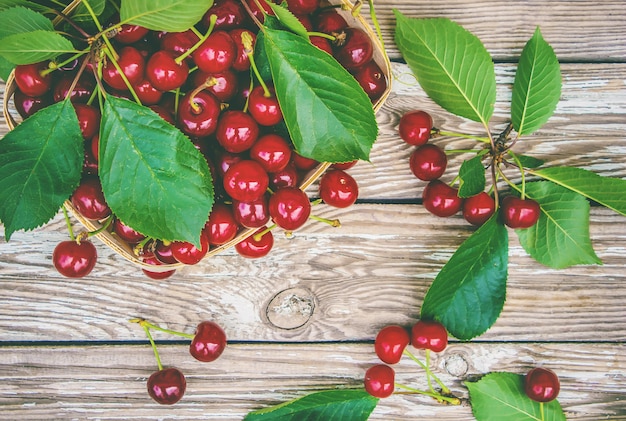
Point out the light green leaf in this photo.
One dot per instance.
(19, 20)
(501, 396)
(5, 68)
(40, 166)
(561, 236)
(344, 405)
(529, 161)
(329, 116)
(537, 86)
(289, 20)
(468, 294)
(607, 191)
(81, 13)
(451, 65)
(472, 177)
(164, 15)
(153, 178)
(6, 4)
(33, 47)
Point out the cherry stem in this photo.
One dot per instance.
(454, 134)
(203, 38)
(541, 411)
(122, 75)
(332, 222)
(445, 390)
(54, 66)
(62, 16)
(246, 40)
(258, 235)
(522, 171)
(376, 25)
(78, 75)
(428, 374)
(68, 223)
(439, 397)
(104, 226)
(322, 35)
(146, 329)
(147, 324)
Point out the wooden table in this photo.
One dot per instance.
(304, 318)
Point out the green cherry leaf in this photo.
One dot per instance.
(450, 63)
(501, 396)
(560, 238)
(528, 161)
(607, 191)
(289, 20)
(468, 294)
(6, 4)
(81, 13)
(35, 46)
(6, 67)
(164, 15)
(472, 177)
(537, 86)
(329, 116)
(345, 405)
(19, 20)
(153, 178)
(40, 166)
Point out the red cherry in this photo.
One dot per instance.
(154, 261)
(225, 160)
(223, 85)
(95, 146)
(163, 252)
(198, 115)
(287, 177)
(88, 119)
(338, 189)
(127, 233)
(478, 209)
(415, 127)
(260, 13)
(372, 79)
(289, 208)
(147, 93)
(428, 162)
(29, 105)
(236, 131)
(390, 343)
(216, 53)
(164, 113)
(131, 62)
(208, 342)
(272, 151)
(221, 226)
(265, 109)
(354, 48)
(179, 42)
(429, 335)
(167, 386)
(380, 381)
(303, 163)
(252, 214)
(128, 34)
(344, 165)
(303, 7)
(253, 248)
(89, 201)
(82, 90)
(329, 21)
(73, 259)
(242, 61)
(519, 213)
(542, 384)
(229, 13)
(246, 181)
(164, 72)
(440, 199)
(188, 254)
(322, 43)
(29, 79)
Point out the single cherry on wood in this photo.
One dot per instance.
(415, 127)
(208, 342)
(167, 386)
(432, 335)
(74, 259)
(379, 381)
(542, 384)
(390, 343)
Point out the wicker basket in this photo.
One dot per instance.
(126, 250)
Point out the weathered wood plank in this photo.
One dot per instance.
(579, 30)
(108, 382)
(372, 271)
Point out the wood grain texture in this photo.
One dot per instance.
(108, 382)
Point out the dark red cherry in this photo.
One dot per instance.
(164, 72)
(230, 14)
(303, 7)
(390, 343)
(153, 274)
(519, 213)
(289, 208)
(257, 245)
(198, 114)
(428, 162)
(379, 381)
(221, 226)
(216, 54)
(147, 93)
(30, 81)
(246, 181)
(89, 201)
(163, 252)
(208, 342)
(265, 109)
(372, 79)
(82, 90)
(188, 254)
(272, 151)
(94, 145)
(126, 233)
(225, 160)
(73, 259)
(132, 64)
(88, 119)
(478, 209)
(338, 189)
(223, 85)
(415, 127)
(242, 61)
(90, 163)
(344, 165)
(29, 105)
(260, 9)
(179, 42)
(287, 177)
(303, 163)
(252, 214)
(236, 131)
(305, 20)
(431, 335)
(329, 21)
(353, 48)
(441, 199)
(128, 34)
(164, 113)
(542, 384)
(167, 386)
(322, 43)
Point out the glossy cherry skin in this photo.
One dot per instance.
(154, 261)
(73, 259)
(223, 85)
(355, 50)
(303, 163)
(322, 43)
(163, 252)
(265, 109)
(163, 71)
(519, 213)
(479, 208)
(415, 127)
(254, 248)
(230, 14)
(221, 226)
(132, 64)
(390, 343)
(542, 384)
(289, 208)
(30, 81)
(89, 201)
(208, 342)
(429, 335)
(246, 181)
(88, 120)
(252, 214)
(260, 13)
(82, 90)
(242, 61)
(29, 105)
(379, 381)
(338, 188)
(128, 34)
(303, 7)
(225, 160)
(441, 199)
(287, 177)
(167, 386)
(147, 93)
(179, 42)
(126, 233)
(428, 162)
(198, 115)
(216, 54)
(329, 21)
(188, 254)
(236, 131)
(372, 79)
(272, 151)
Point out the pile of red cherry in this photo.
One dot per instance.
(230, 116)
(428, 162)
